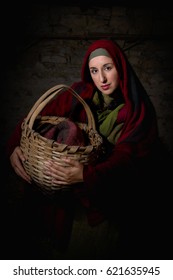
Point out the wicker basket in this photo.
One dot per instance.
(38, 149)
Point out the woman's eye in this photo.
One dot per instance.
(93, 71)
(108, 68)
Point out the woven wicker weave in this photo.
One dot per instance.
(38, 149)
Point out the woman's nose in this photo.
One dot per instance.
(102, 77)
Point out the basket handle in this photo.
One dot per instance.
(50, 94)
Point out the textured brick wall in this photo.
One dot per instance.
(46, 45)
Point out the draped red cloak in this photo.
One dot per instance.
(109, 182)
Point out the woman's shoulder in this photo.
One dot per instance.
(85, 90)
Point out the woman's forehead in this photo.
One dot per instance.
(100, 60)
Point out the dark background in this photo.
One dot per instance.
(42, 45)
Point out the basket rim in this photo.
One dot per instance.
(27, 131)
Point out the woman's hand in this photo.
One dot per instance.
(69, 174)
(16, 160)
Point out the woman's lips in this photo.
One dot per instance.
(105, 87)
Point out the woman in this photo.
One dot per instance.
(115, 189)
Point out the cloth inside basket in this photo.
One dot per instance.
(65, 132)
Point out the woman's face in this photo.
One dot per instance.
(104, 74)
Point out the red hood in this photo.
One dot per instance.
(140, 118)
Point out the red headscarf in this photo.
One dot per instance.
(140, 125)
